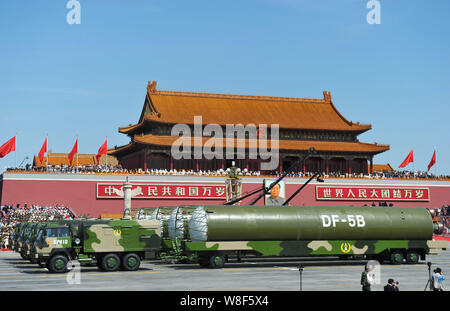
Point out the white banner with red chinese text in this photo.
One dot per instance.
(163, 191)
(345, 193)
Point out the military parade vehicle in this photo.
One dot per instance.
(29, 239)
(210, 234)
(394, 234)
(21, 237)
(113, 244)
(15, 236)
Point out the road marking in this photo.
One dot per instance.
(12, 276)
(309, 268)
(104, 273)
(150, 272)
(53, 276)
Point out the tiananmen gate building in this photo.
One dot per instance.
(303, 123)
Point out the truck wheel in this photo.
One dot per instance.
(131, 262)
(110, 262)
(412, 258)
(397, 258)
(58, 264)
(216, 261)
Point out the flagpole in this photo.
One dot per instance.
(46, 165)
(435, 162)
(15, 151)
(106, 159)
(77, 154)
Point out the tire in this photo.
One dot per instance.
(412, 257)
(58, 264)
(131, 262)
(110, 262)
(397, 258)
(216, 261)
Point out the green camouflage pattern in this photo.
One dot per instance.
(22, 236)
(15, 236)
(121, 236)
(28, 244)
(317, 248)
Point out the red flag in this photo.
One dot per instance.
(409, 159)
(103, 149)
(433, 160)
(43, 150)
(73, 152)
(8, 147)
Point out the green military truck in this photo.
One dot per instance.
(29, 239)
(21, 237)
(113, 244)
(15, 235)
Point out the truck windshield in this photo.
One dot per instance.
(57, 232)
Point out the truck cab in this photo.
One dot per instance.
(53, 247)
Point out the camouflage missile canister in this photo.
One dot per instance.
(267, 223)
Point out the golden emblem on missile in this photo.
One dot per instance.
(117, 232)
(346, 247)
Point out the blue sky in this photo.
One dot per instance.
(90, 79)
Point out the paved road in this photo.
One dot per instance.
(318, 275)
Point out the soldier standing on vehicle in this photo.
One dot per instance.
(365, 280)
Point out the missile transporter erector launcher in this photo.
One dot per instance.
(394, 234)
(113, 244)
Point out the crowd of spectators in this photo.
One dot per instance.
(375, 175)
(10, 215)
(118, 169)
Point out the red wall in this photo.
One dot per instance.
(80, 195)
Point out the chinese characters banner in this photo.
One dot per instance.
(345, 193)
(163, 191)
